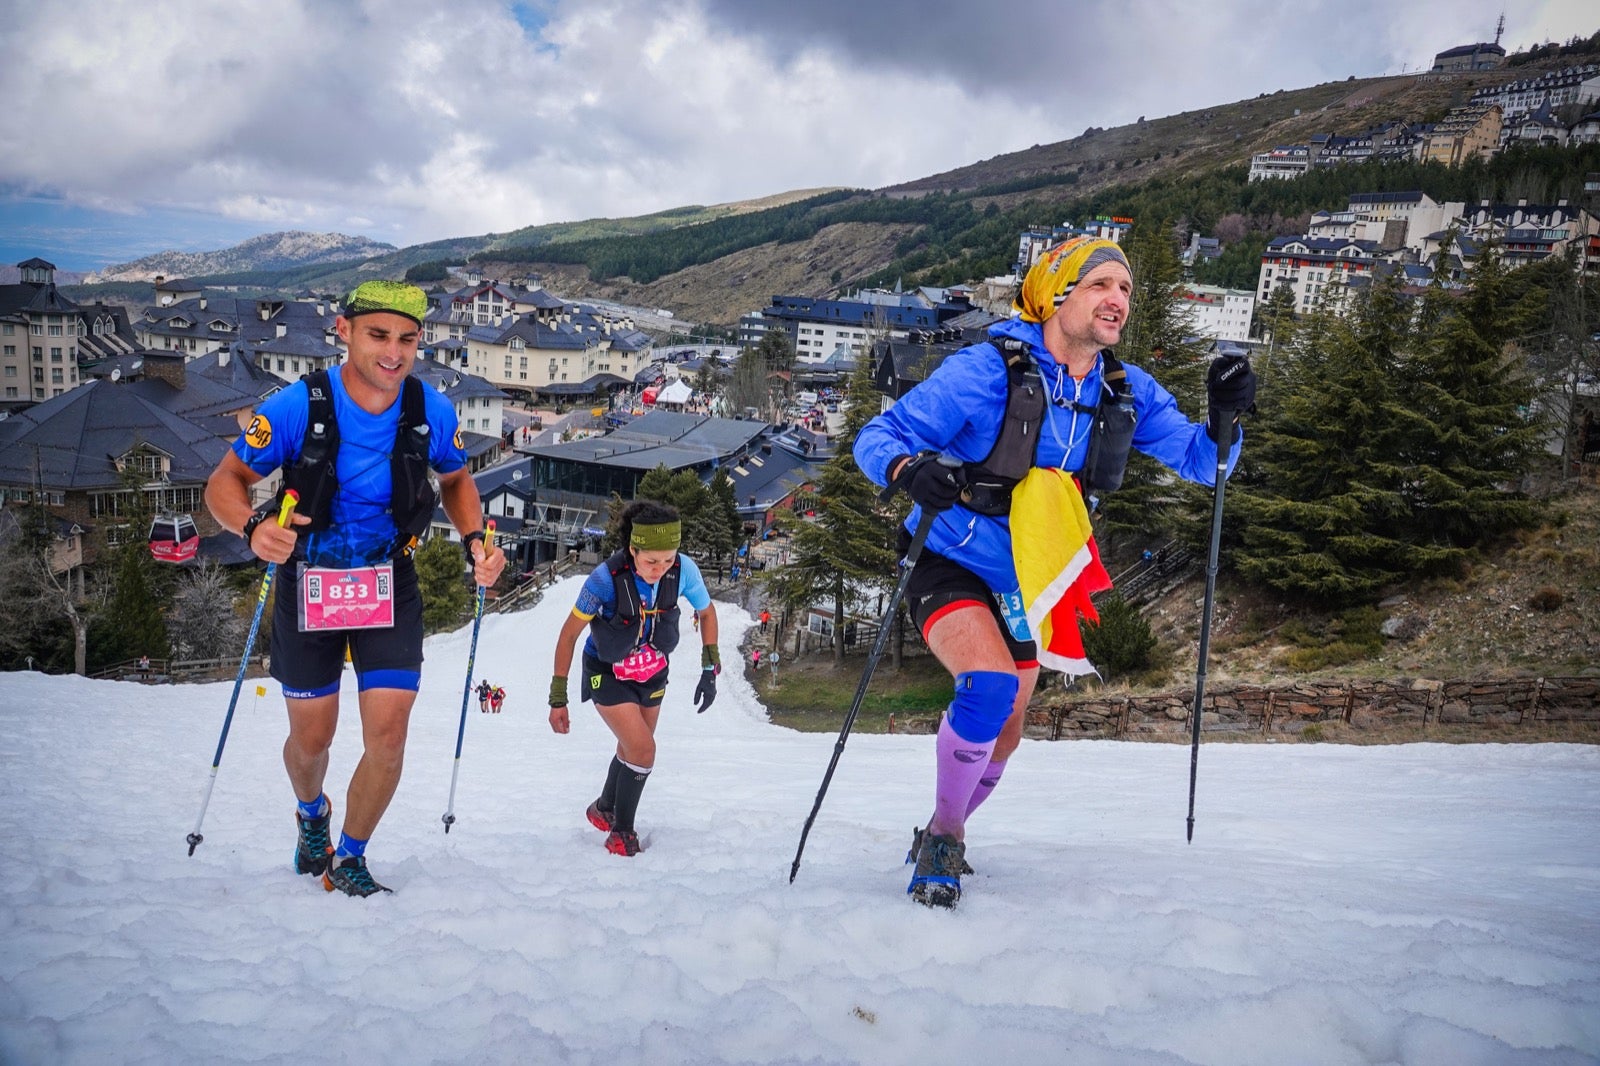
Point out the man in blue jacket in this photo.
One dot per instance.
(1072, 308)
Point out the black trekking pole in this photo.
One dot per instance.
(1224, 430)
(290, 498)
(472, 656)
(924, 523)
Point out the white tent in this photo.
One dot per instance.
(679, 392)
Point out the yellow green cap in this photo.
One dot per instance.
(395, 297)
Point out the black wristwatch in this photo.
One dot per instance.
(466, 543)
(255, 519)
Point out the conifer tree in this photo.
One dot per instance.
(1471, 435)
(1317, 495)
(849, 548)
(446, 600)
(132, 623)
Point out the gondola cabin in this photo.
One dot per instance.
(173, 539)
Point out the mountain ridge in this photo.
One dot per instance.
(268, 251)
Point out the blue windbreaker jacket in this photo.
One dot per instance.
(957, 412)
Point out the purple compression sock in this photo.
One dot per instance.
(986, 783)
(962, 764)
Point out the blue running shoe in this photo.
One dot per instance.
(936, 880)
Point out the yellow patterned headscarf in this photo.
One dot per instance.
(1057, 273)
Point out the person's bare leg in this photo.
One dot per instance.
(385, 718)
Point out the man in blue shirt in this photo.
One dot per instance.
(348, 581)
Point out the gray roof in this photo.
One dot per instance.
(588, 387)
(240, 371)
(769, 475)
(303, 345)
(660, 438)
(34, 298)
(455, 384)
(543, 300)
(76, 437)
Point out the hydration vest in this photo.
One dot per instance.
(990, 482)
(314, 475)
(615, 638)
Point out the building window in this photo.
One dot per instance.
(55, 376)
(11, 392)
(11, 349)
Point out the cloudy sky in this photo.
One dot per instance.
(133, 127)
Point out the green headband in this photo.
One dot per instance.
(663, 536)
(395, 297)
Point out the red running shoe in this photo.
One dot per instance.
(623, 842)
(598, 818)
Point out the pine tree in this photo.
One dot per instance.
(1318, 497)
(1471, 434)
(441, 568)
(132, 622)
(1274, 317)
(850, 546)
(1122, 642)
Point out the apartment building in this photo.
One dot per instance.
(1315, 268)
(1222, 314)
(40, 331)
(1471, 132)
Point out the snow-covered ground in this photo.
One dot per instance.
(1418, 904)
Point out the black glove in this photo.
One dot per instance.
(1230, 391)
(705, 693)
(929, 482)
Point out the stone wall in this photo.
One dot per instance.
(1289, 708)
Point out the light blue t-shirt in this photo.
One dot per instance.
(599, 595)
(363, 531)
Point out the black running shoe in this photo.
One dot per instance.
(623, 842)
(351, 876)
(936, 881)
(600, 819)
(314, 848)
(917, 836)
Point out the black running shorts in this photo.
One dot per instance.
(939, 585)
(310, 664)
(606, 689)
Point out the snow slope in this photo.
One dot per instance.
(1417, 904)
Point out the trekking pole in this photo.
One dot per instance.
(472, 656)
(290, 499)
(1225, 429)
(924, 523)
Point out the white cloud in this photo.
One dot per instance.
(425, 120)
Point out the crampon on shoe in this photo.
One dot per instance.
(623, 842)
(598, 818)
(936, 881)
(917, 836)
(351, 876)
(314, 849)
